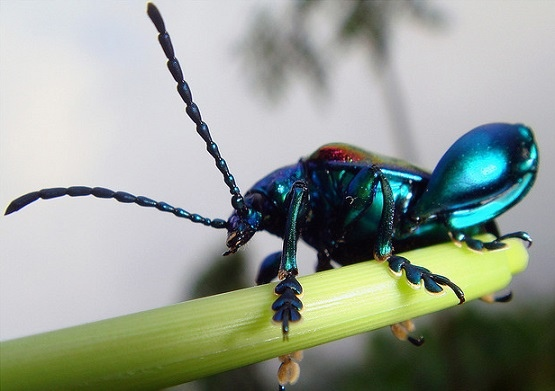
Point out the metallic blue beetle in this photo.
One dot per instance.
(352, 205)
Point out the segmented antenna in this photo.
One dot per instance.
(121, 196)
(192, 109)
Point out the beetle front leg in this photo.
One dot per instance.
(402, 331)
(288, 304)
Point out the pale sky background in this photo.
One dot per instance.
(85, 99)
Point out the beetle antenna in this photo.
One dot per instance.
(121, 196)
(237, 200)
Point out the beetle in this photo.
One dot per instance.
(351, 205)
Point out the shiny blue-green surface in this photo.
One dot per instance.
(483, 174)
(360, 205)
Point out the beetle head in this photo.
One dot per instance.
(241, 226)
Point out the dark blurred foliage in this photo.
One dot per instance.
(303, 40)
(465, 350)
(287, 42)
(474, 347)
(224, 274)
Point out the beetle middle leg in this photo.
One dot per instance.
(383, 250)
(418, 274)
(402, 331)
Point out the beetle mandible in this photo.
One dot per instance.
(351, 205)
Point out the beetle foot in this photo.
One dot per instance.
(505, 298)
(478, 245)
(288, 304)
(289, 369)
(402, 331)
(524, 236)
(418, 274)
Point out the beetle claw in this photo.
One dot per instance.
(402, 331)
(524, 236)
(505, 298)
(478, 245)
(417, 274)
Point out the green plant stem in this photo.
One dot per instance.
(186, 341)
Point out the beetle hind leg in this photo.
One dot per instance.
(524, 236)
(496, 244)
(417, 274)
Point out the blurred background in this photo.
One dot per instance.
(85, 99)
